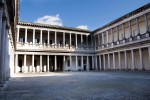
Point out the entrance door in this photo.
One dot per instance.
(59, 63)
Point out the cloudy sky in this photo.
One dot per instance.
(86, 14)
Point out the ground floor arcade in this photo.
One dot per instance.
(49, 63)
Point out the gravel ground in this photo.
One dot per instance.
(108, 85)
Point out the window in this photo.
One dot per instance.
(68, 63)
(79, 62)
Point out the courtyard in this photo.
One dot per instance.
(104, 85)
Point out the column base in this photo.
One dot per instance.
(138, 37)
(147, 34)
(124, 40)
(130, 39)
(112, 44)
(118, 42)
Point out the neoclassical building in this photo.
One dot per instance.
(123, 44)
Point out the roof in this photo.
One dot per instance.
(143, 8)
(53, 26)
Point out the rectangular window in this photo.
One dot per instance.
(79, 62)
(68, 63)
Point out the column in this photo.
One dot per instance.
(92, 62)
(76, 41)
(48, 38)
(125, 55)
(41, 67)
(99, 39)
(55, 68)
(132, 54)
(109, 61)
(82, 62)
(16, 63)
(104, 61)
(130, 28)
(119, 58)
(96, 62)
(41, 38)
(18, 32)
(48, 63)
(91, 41)
(87, 41)
(123, 31)
(76, 63)
(32, 63)
(141, 60)
(55, 39)
(138, 28)
(117, 33)
(146, 23)
(95, 41)
(70, 40)
(112, 35)
(33, 36)
(114, 61)
(149, 53)
(87, 61)
(81, 40)
(26, 35)
(103, 39)
(25, 66)
(100, 65)
(70, 61)
(64, 39)
(107, 36)
(64, 60)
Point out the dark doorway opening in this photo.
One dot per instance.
(59, 63)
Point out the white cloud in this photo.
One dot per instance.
(52, 20)
(83, 27)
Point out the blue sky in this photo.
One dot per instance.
(90, 14)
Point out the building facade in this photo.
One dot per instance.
(8, 21)
(123, 44)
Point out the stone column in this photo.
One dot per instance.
(82, 62)
(109, 61)
(76, 63)
(141, 59)
(114, 61)
(64, 39)
(103, 42)
(104, 62)
(92, 62)
(125, 55)
(138, 28)
(146, 23)
(25, 66)
(76, 41)
(117, 34)
(81, 41)
(149, 53)
(132, 54)
(32, 63)
(18, 32)
(107, 37)
(70, 61)
(26, 35)
(123, 30)
(96, 62)
(64, 62)
(99, 39)
(130, 28)
(87, 61)
(70, 40)
(119, 58)
(33, 36)
(55, 39)
(16, 63)
(41, 67)
(41, 38)
(100, 65)
(55, 68)
(48, 63)
(95, 42)
(92, 41)
(87, 41)
(48, 38)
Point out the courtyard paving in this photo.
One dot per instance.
(116, 85)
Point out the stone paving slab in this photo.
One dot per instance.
(114, 85)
